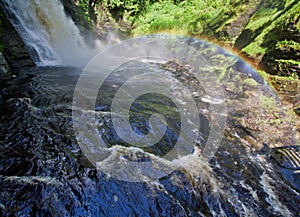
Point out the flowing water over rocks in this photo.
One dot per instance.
(46, 168)
(50, 36)
(44, 172)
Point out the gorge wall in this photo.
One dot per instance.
(264, 31)
(13, 48)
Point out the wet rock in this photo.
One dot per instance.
(72, 10)
(277, 39)
(87, 29)
(287, 157)
(15, 51)
(235, 28)
(281, 62)
(45, 173)
(297, 110)
(4, 67)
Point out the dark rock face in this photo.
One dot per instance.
(280, 54)
(72, 10)
(14, 49)
(271, 64)
(86, 28)
(297, 110)
(282, 60)
(4, 67)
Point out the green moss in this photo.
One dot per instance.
(275, 78)
(267, 101)
(277, 121)
(285, 44)
(268, 29)
(261, 17)
(263, 74)
(250, 81)
(254, 49)
(190, 17)
(289, 61)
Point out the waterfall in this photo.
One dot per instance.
(51, 37)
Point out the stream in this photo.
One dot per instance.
(45, 172)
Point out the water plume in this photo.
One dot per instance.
(51, 37)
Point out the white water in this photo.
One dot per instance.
(51, 36)
(275, 204)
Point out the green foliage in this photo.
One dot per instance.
(254, 49)
(267, 101)
(251, 82)
(261, 17)
(190, 16)
(270, 24)
(127, 9)
(88, 7)
(85, 8)
(263, 74)
(286, 44)
(294, 62)
(119, 9)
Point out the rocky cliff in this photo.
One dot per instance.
(265, 31)
(13, 48)
(272, 37)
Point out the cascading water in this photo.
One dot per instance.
(51, 37)
(42, 168)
